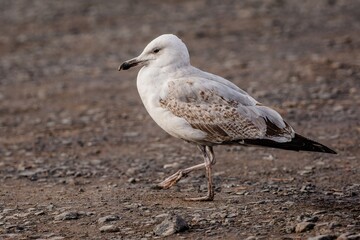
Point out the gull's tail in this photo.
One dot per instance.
(298, 143)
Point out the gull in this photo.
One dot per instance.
(205, 109)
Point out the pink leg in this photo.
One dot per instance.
(209, 160)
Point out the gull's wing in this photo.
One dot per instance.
(222, 110)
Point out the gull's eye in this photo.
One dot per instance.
(156, 50)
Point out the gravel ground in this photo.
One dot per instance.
(79, 155)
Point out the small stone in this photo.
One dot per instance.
(308, 188)
(15, 228)
(333, 225)
(232, 215)
(109, 228)
(172, 224)
(56, 238)
(289, 229)
(162, 215)
(67, 216)
(50, 207)
(349, 236)
(171, 165)
(197, 219)
(337, 65)
(312, 219)
(39, 213)
(108, 218)
(338, 108)
(320, 212)
(250, 238)
(131, 134)
(131, 180)
(304, 226)
(323, 237)
(7, 210)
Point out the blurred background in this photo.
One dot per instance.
(70, 123)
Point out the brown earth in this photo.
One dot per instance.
(75, 137)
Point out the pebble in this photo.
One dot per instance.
(171, 165)
(323, 237)
(171, 224)
(108, 218)
(15, 228)
(7, 210)
(333, 225)
(305, 218)
(308, 188)
(56, 238)
(109, 228)
(304, 226)
(39, 213)
(131, 180)
(250, 238)
(67, 216)
(50, 207)
(349, 236)
(162, 215)
(289, 229)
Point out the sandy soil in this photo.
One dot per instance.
(76, 143)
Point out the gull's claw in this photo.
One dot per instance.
(172, 180)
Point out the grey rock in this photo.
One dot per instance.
(354, 237)
(308, 188)
(108, 218)
(162, 215)
(333, 225)
(304, 226)
(16, 228)
(67, 216)
(250, 238)
(349, 236)
(109, 228)
(312, 219)
(39, 213)
(56, 238)
(171, 224)
(323, 237)
(11, 236)
(289, 229)
(131, 180)
(321, 212)
(50, 207)
(7, 210)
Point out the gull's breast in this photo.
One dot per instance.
(178, 127)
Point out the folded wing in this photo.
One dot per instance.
(225, 113)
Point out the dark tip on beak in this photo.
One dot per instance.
(128, 64)
(124, 66)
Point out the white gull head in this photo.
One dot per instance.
(165, 50)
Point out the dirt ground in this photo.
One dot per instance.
(76, 143)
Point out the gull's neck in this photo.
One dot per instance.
(165, 72)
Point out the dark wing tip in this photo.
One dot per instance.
(306, 144)
(298, 143)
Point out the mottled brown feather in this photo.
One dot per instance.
(212, 114)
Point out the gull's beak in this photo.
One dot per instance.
(129, 64)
